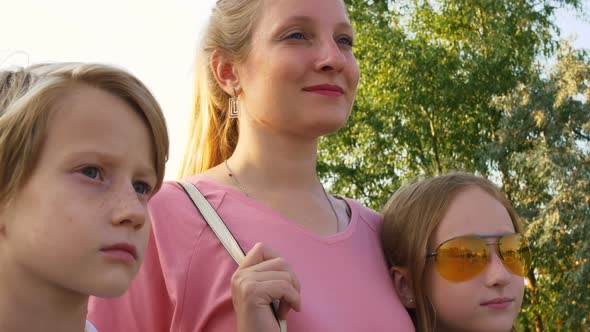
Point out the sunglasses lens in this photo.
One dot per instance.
(462, 258)
(516, 254)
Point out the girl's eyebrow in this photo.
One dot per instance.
(107, 158)
(103, 156)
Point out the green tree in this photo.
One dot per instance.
(428, 103)
(544, 148)
(430, 70)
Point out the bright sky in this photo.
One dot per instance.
(154, 39)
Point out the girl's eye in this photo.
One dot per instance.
(141, 188)
(91, 172)
(346, 40)
(296, 35)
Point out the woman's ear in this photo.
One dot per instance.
(224, 70)
(403, 286)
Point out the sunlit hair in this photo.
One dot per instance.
(28, 97)
(409, 219)
(213, 135)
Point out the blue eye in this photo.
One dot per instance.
(296, 35)
(90, 171)
(346, 40)
(141, 188)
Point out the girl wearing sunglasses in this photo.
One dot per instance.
(456, 254)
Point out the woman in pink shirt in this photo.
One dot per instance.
(273, 76)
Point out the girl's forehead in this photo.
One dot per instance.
(472, 212)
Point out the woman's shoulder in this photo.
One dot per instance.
(173, 214)
(366, 214)
(172, 192)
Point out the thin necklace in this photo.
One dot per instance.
(232, 175)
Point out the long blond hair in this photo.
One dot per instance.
(28, 96)
(409, 220)
(213, 135)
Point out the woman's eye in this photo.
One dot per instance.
(296, 35)
(91, 172)
(346, 40)
(141, 188)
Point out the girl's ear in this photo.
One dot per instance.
(6, 215)
(225, 72)
(403, 286)
(2, 226)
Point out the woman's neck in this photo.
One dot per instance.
(29, 304)
(275, 162)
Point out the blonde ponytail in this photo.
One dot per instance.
(213, 134)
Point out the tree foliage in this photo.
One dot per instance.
(450, 85)
(543, 150)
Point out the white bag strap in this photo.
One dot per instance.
(223, 234)
(215, 222)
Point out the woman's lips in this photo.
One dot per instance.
(330, 90)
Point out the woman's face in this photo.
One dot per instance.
(300, 77)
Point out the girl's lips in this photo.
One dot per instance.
(498, 303)
(121, 251)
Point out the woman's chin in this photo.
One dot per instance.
(327, 126)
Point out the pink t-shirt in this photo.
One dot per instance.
(184, 282)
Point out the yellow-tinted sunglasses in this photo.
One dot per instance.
(464, 257)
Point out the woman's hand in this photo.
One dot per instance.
(262, 278)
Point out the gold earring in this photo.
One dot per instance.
(234, 106)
